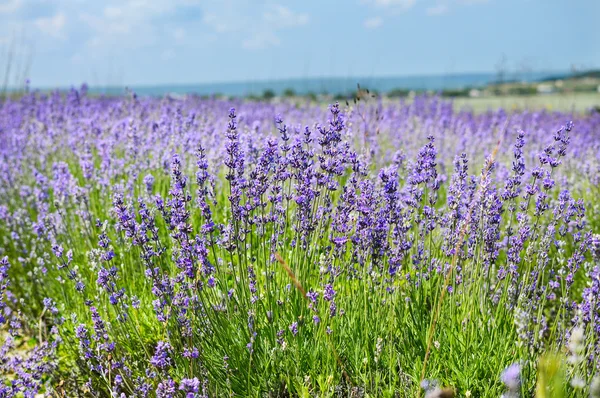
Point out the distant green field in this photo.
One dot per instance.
(578, 102)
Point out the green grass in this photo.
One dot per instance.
(383, 328)
(574, 102)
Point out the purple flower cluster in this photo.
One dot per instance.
(157, 237)
(28, 369)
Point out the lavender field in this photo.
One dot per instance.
(206, 248)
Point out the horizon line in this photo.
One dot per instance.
(507, 74)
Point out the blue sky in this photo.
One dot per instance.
(138, 42)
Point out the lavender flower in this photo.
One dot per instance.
(511, 377)
(161, 358)
(190, 387)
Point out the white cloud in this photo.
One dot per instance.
(283, 17)
(443, 6)
(10, 6)
(114, 26)
(437, 9)
(113, 12)
(218, 23)
(128, 24)
(403, 3)
(263, 34)
(52, 26)
(254, 32)
(373, 23)
(395, 4)
(105, 26)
